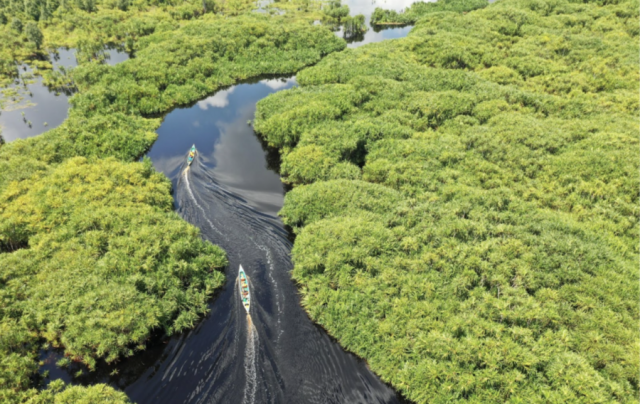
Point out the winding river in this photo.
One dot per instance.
(233, 192)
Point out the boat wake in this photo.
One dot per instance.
(275, 354)
(250, 363)
(195, 202)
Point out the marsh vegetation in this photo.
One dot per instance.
(465, 201)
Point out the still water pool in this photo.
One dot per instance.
(43, 109)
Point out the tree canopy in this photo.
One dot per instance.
(93, 260)
(413, 13)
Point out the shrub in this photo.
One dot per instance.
(16, 25)
(34, 34)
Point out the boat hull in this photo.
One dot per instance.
(243, 286)
(192, 155)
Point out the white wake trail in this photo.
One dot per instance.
(275, 284)
(250, 364)
(204, 214)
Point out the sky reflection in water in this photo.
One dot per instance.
(367, 7)
(225, 141)
(50, 107)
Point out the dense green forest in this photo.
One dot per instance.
(466, 201)
(31, 29)
(92, 258)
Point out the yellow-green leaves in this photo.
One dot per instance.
(94, 260)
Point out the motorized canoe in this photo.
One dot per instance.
(243, 284)
(192, 154)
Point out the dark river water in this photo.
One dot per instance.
(232, 192)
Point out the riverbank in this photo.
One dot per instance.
(465, 202)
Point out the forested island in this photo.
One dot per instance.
(465, 200)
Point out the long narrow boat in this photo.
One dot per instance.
(192, 154)
(245, 295)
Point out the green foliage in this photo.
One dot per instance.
(86, 5)
(177, 67)
(56, 393)
(72, 23)
(482, 246)
(34, 34)
(16, 25)
(416, 10)
(354, 26)
(334, 11)
(123, 5)
(103, 233)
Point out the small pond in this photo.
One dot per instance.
(41, 108)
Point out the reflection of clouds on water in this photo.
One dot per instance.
(218, 100)
(226, 144)
(277, 84)
(235, 153)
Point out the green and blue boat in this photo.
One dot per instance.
(243, 284)
(192, 154)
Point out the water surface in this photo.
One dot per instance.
(220, 128)
(42, 107)
(376, 33)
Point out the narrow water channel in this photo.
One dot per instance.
(232, 192)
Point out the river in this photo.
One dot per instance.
(232, 192)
